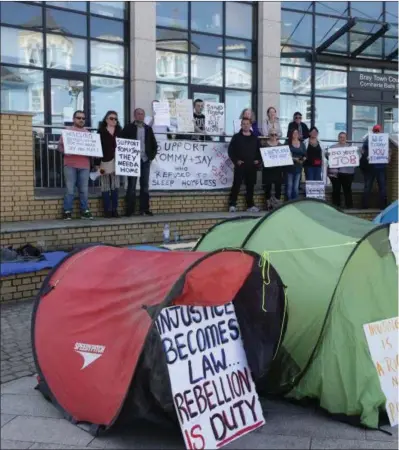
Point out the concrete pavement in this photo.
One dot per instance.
(29, 421)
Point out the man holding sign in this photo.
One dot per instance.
(76, 171)
(374, 162)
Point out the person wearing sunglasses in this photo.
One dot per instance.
(272, 175)
(76, 172)
(109, 129)
(297, 124)
(272, 122)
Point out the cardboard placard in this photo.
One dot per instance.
(276, 156)
(378, 148)
(213, 391)
(316, 189)
(82, 143)
(382, 339)
(214, 117)
(191, 165)
(184, 116)
(161, 114)
(127, 157)
(343, 157)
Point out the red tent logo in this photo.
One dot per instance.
(89, 352)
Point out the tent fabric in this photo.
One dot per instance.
(94, 342)
(340, 273)
(389, 215)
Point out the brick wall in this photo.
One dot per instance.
(22, 286)
(17, 166)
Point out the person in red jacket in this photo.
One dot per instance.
(76, 173)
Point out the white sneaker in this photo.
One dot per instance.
(232, 209)
(254, 209)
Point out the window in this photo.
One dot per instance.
(110, 30)
(391, 11)
(172, 39)
(206, 70)
(172, 67)
(238, 74)
(367, 10)
(78, 6)
(66, 53)
(104, 93)
(295, 80)
(325, 28)
(331, 83)
(330, 117)
(22, 47)
(107, 59)
(22, 90)
(296, 29)
(116, 10)
(201, 43)
(332, 8)
(28, 15)
(172, 14)
(289, 104)
(300, 6)
(207, 17)
(64, 22)
(238, 49)
(236, 101)
(239, 20)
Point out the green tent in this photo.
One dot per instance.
(340, 273)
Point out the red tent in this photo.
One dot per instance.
(96, 348)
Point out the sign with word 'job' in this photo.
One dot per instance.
(343, 157)
(378, 148)
(82, 143)
(191, 165)
(127, 157)
(276, 156)
(316, 189)
(214, 117)
(213, 391)
(382, 339)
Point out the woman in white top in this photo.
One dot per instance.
(272, 122)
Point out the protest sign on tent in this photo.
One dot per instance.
(316, 189)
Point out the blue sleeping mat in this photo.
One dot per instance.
(148, 248)
(14, 268)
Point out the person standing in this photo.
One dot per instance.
(199, 122)
(272, 175)
(139, 131)
(76, 172)
(314, 156)
(272, 122)
(109, 129)
(244, 152)
(293, 173)
(342, 177)
(373, 172)
(297, 124)
(247, 113)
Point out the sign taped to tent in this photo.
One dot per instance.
(316, 189)
(382, 339)
(213, 391)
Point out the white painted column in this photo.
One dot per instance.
(269, 37)
(142, 55)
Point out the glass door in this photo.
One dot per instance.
(364, 117)
(390, 119)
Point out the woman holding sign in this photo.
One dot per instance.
(109, 129)
(293, 173)
(314, 157)
(272, 175)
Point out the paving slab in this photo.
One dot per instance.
(39, 445)
(24, 385)
(332, 444)
(28, 405)
(11, 445)
(265, 441)
(5, 418)
(375, 435)
(45, 430)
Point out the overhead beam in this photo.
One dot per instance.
(338, 60)
(370, 40)
(334, 37)
(392, 55)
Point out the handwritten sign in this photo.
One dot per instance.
(276, 156)
(382, 339)
(394, 240)
(378, 148)
(343, 157)
(214, 117)
(191, 165)
(127, 157)
(184, 116)
(82, 143)
(213, 391)
(316, 189)
(161, 114)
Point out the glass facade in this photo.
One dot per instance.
(320, 91)
(61, 56)
(208, 49)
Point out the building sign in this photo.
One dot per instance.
(373, 81)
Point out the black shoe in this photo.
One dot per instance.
(108, 214)
(146, 213)
(67, 215)
(115, 214)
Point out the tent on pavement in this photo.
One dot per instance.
(340, 273)
(389, 215)
(96, 347)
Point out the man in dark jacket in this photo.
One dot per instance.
(139, 131)
(244, 152)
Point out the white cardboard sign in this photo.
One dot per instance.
(378, 148)
(127, 157)
(213, 392)
(343, 157)
(161, 114)
(82, 143)
(184, 116)
(382, 339)
(214, 118)
(316, 189)
(191, 165)
(276, 156)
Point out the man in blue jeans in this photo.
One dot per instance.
(76, 173)
(373, 172)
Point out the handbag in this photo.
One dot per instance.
(108, 167)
